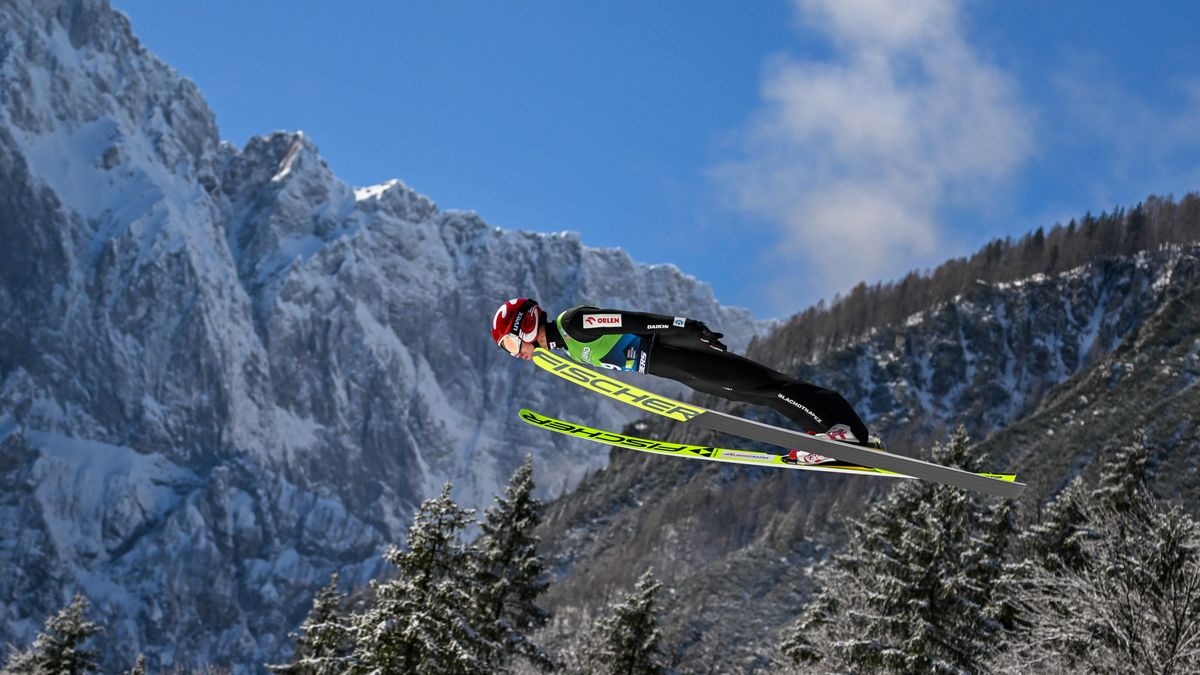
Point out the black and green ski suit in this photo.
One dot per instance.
(687, 351)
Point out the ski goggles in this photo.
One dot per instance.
(511, 344)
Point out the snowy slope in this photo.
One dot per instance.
(224, 373)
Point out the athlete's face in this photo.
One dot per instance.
(522, 350)
(526, 351)
(513, 345)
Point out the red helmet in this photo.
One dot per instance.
(519, 317)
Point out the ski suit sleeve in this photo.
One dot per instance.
(585, 323)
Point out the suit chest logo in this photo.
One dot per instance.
(601, 320)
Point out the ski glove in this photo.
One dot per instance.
(710, 337)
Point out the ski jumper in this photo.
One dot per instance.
(672, 347)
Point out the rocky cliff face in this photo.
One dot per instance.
(224, 373)
(987, 357)
(1148, 383)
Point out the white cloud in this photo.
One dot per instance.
(853, 157)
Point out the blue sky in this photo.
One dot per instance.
(779, 150)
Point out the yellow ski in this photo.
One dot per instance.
(1000, 485)
(705, 452)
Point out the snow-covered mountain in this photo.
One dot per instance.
(987, 356)
(225, 373)
(1050, 372)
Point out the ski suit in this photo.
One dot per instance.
(676, 348)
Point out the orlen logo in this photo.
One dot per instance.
(601, 320)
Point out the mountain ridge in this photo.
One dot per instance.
(312, 357)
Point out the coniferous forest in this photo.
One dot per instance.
(1156, 222)
(449, 606)
(932, 580)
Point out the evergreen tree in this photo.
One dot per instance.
(420, 621)
(20, 662)
(1130, 594)
(917, 589)
(59, 648)
(1057, 541)
(510, 573)
(1136, 601)
(629, 637)
(323, 640)
(1000, 595)
(1125, 476)
(139, 667)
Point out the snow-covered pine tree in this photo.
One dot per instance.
(826, 620)
(420, 621)
(1057, 547)
(323, 643)
(1125, 477)
(1057, 540)
(59, 648)
(1134, 601)
(20, 662)
(1144, 593)
(628, 637)
(991, 558)
(510, 573)
(139, 666)
(916, 589)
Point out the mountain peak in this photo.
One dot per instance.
(396, 199)
(78, 84)
(275, 162)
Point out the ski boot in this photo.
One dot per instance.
(806, 458)
(838, 432)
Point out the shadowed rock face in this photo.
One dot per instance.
(224, 373)
(987, 357)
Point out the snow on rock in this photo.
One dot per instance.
(224, 373)
(989, 355)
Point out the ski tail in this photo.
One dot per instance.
(857, 454)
